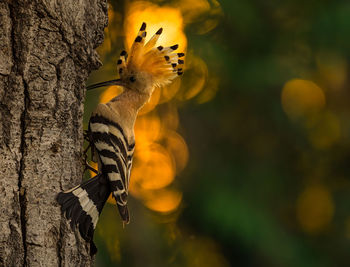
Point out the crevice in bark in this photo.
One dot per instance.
(59, 245)
(22, 190)
(5, 111)
(22, 202)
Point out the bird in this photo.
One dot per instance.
(110, 132)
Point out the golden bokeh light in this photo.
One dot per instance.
(168, 92)
(147, 130)
(166, 17)
(315, 209)
(170, 118)
(301, 98)
(178, 149)
(164, 201)
(155, 169)
(155, 165)
(109, 93)
(192, 87)
(152, 103)
(209, 91)
(195, 10)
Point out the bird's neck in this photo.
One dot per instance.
(128, 103)
(126, 106)
(131, 100)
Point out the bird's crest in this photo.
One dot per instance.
(161, 63)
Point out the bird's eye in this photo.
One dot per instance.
(132, 79)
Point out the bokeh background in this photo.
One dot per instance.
(244, 160)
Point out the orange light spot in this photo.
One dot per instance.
(301, 98)
(168, 18)
(165, 201)
(169, 91)
(109, 93)
(152, 103)
(209, 91)
(147, 130)
(170, 118)
(154, 168)
(315, 209)
(193, 10)
(177, 147)
(194, 84)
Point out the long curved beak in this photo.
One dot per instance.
(111, 82)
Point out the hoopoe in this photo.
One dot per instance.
(111, 132)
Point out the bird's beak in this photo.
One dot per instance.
(111, 82)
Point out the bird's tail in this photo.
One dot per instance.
(83, 205)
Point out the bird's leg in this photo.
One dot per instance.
(86, 150)
(87, 138)
(87, 165)
(86, 135)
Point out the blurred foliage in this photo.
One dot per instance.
(244, 161)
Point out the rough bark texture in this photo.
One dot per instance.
(46, 54)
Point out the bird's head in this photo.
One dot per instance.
(137, 80)
(147, 66)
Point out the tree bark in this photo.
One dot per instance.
(46, 54)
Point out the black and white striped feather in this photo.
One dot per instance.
(115, 156)
(83, 205)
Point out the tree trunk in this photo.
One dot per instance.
(46, 54)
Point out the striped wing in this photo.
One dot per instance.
(115, 154)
